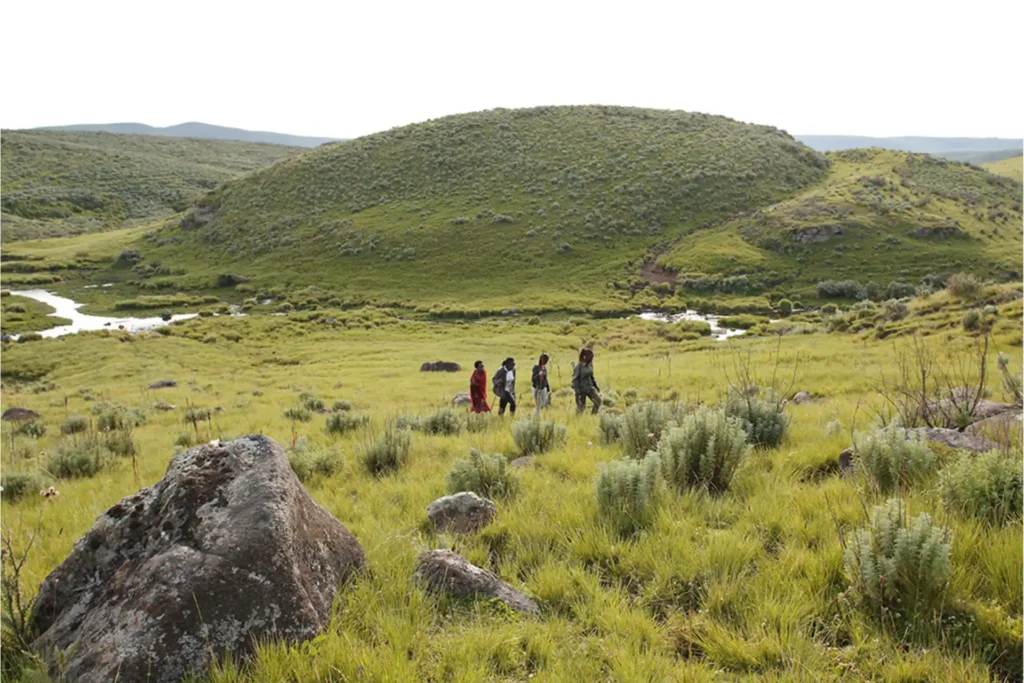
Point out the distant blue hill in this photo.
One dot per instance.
(974, 150)
(202, 131)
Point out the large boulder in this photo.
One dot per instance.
(19, 415)
(440, 366)
(225, 550)
(443, 571)
(957, 440)
(463, 512)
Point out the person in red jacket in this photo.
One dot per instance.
(478, 389)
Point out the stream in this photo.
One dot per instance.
(82, 322)
(717, 331)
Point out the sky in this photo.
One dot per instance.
(344, 69)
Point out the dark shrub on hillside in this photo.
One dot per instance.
(341, 422)
(78, 458)
(32, 428)
(18, 485)
(901, 290)
(129, 256)
(972, 321)
(76, 424)
(785, 307)
(964, 286)
(894, 310)
(230, 280)
(829, 309)
(843, 289)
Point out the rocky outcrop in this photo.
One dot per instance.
(227, 548)
(440, 366)
(462, 399)
(163, 384)
(462, 513)
(443, 571)
(955, 439)
(19, 415)
(821, 233)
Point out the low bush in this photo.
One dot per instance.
(829, 309)
(894, 310)
(610, 427)
(186, 440)
(987, 486)
(77, 458)
(120, 443)
(388, 452)
(197, 415)
(972, 321)
(486, 475)
(311, 402)
(477, 422)
(641, 426)
(895, 457)
(340, 422)
(76, 424)
(703, 451)
(32, 428)
(627, 492)
(901, 290)
(964, 286)
(446, 422)
(18, 485)
(307, 463)
(785, 308)
(898, 564)
(341, 406)
(113, 417)
(844, 289)
(533, 435)
(29, 337)
(298, 414)
(763, 417)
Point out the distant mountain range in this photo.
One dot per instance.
(202, 131)
(974, 150)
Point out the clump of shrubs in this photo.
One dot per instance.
(703, 451)
(898, 564)
(445, 422)
(307, 462)
(298, 414)
(785, 308)
(894, 457)
(641, 426)
(972, 320)
(534, 435)
(987, 486)
(964, 286)
(627, 492)
(341, 406)
(341, 422)
(829, 309)
(113, 417)
(389, 451)
(477, 422)
(610, 426)
(894, 310)
(77, 458)
(197, 415)
(763, 417)
(311, 402)
(76, 424)
(485, 475)
(18, 485)
(32, 428)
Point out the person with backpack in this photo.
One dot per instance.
(478, 389)
(584, 383)
(504, 385)
(541, 388)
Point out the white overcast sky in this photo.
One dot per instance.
(344, 69)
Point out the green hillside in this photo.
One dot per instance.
(497, 206)
(62, 183)
(879, 216)
(1011, 168)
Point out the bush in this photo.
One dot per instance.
(477, 422)
(611, 428)
(901, 290)
(311, 403)
(306, 464)
(844, 289)
(197, 415)
(894, 310)
(986, 486)
(627, 492)
(16, 308)
(29, 337)
(340, 422)
(389, 451)
(485, 475)
(75, 459)
(17, 485)
(33, 428)
(533, 435)
(298, 414)
(898, 564)
(76, 424)
(829, 309)
(763, 417)
(186, 440)
(964, 286)
(340, 406)
(641, 426)
(446, 422)
(972, 321)
(120, 443)
(785, 308)
(703, 451)
(114, 417)
(894, 457)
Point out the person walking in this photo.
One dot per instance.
(541, 388)
(478, 389)
(504, 385)
(584, 383)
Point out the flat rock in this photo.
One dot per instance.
(227, 549)
(802, 397)
(959, 440)
(462, 399)
(19, 415)
(1002, 426)
(440, 366)
(524, 461)
(163, 384)
(443, 571)
(462, 513)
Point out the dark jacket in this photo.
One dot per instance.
(538, 381)
(583, 378)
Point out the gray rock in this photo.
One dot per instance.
(802, 397)
(440, 366)
(1004, 426)
(19, 415)
(463, 512)
(947, 412)
(163, 384)
(225, 549)
(462, 399)
(444, 571)
(955, 439)
(524, 461)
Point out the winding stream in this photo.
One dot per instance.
(717, 331)
(82, 322)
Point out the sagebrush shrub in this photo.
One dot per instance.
(486, 475)
(533, 435)
(898, 563)
(389, 451)
(972, 321)
(77, 458)
(894, 456)
(446, 422)
(894, 310)
(32, 428)
(341, 406)
(18, 485)
(785, 307)
(76, 424)
(610, 426)
(298, 414)
(477, 422)
(764, 418)
(627, 492)
(703, 451)
(829, 309)
(311, 402)
(120, 443)
(306, 463)
(641, 426)
(340, 422)
(987, 486)
(113, 417)
(964, 286)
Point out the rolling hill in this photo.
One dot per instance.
(199, 131)
(1011, 168)
(61, 183)
(971, 150)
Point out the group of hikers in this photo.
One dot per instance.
(503, 385)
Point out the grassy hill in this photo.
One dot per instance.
(202, 131)
(1011, 168)
(878, 216)
(59, 183)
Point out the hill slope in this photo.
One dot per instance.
(879, 216)
(201, 131)
(500, 205)
(1011, 168)
(57, 183)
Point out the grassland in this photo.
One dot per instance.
(745, 585)
(1011, 168)
(63, 183)
(18, 315)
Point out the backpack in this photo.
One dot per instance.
(498, 382)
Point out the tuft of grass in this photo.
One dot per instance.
(486, 475)
(388, 452)
(987, 486)
(340, 423)
(895, 457)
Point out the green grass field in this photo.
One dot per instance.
(1011, 168)
(745, 585)
(18, 315)
(61, 183)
